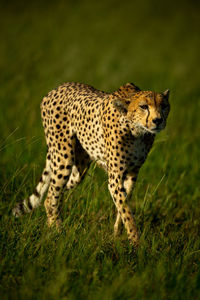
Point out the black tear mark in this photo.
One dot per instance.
(147, 117)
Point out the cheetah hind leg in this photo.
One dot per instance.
(79, 169)
(32, 202)
(67, 175)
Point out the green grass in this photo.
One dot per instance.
(105, 44)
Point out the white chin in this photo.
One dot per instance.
(140, 129)
(145, 129)
(154, 131)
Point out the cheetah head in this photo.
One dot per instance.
(145, 111)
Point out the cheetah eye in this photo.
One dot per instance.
(144, 106)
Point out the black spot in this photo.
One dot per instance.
(29, 204)
(36, 193)
(21, 208)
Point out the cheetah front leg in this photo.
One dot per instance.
(129, 180)
(120, 187)
(117, 226)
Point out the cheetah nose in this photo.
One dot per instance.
(158, 121)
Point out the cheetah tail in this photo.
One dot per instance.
(32, 202)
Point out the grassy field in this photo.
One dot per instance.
(105, 44)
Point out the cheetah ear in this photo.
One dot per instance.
(132, 87)
(121, 105)
(166, 94)
(127, 90)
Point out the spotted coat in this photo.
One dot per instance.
(116, 130)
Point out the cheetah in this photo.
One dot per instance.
(83, 124)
